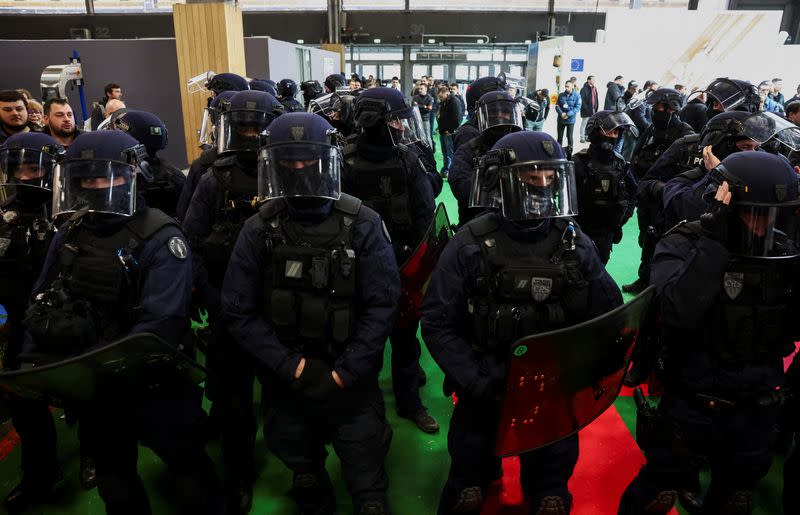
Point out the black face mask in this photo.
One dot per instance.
(33, 197)
(662, 119)
(94, 199)
(603, 144)
(711, 112)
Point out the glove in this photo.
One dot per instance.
(316, 381)
(714, 221)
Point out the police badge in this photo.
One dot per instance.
(5, 243)
(605, 183)
(733, 282)
(177, 248)
(548, 147)
(298, 132)
(541, 288)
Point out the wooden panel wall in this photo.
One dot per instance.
(334, 47)
(208, 36)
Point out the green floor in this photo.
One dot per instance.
(417, 463)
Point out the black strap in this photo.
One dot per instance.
(348, 204)
(695, 174)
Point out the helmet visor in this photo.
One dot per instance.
(405, 127)
(501, 113)
(486, 188)
(206, 129)
(538, 189)
(727, 93)
(100, 186)
(765, 231)
(616, 120)
(240, 130)
(299, 169)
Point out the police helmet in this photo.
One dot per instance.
(762, 220)
(287, 88)
(146, 127)
(227, 82)
(334, 81)
(262, 85)
(601, 127)
(480, 87)
(244, 120)
(534, 179)
(387, 110)
(498, 111)
(27, 163)
(300, 158)
(98, 174)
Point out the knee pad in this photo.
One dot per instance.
(740, 502)
(552, 505)
(469, 500)
(661, 503)
(372, 508)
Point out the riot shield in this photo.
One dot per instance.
(127, 367)
(416, 271)
(560, 381)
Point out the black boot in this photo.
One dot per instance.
(31, 492)
(423, 420)
(88, 475)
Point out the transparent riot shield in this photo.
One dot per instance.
(560, 381)
(131, 366)
(416, 271)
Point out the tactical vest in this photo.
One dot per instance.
(655, 143)
(605, 194)
(164, 191)
(24, 240)
(524, 288)
(235, 203)
(95, 296)
(755, 320)
(383, 187)
(310, 277)
(690, 155)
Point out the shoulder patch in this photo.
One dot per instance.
(177, 248)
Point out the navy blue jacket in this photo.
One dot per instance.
(683, 198)
(466, 132)
(377, 289)
(165, 292)
(446, 323)
(688, 272)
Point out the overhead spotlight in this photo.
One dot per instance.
(376, 41)
(300, 41)
(431, 41)
(527, 41)
(480, 40)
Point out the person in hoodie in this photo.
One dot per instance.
(536, 185)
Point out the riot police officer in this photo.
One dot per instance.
(335, 82)
(727, 285)
(207, 142)
(118, 268)
(165, 189)
(27, 161)
(387, 176)
(469, 130)
(311, 89)
(722, 95)
(476, 282)
(665, 129)
(223, 200)
(497, 114)
(310, 294)
(287, 90)
(725, 134)
(337, 109)
(606, 188)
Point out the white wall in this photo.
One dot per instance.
(685, 47)
(282, 62)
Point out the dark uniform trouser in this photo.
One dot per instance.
(737, 443)
(406, 351)
(32, 419)
(603, 240)
(233, 402)
(168, 421)
(471, 443)
(354, 422)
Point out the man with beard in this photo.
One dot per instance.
(59, 121)
(13, 114)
